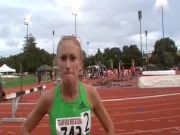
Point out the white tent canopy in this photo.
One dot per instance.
(5, 69)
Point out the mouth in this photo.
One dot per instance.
(67, 73)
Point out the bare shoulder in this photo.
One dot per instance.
(92, 95)
(90, 89)
(48, 95)
(47, 98)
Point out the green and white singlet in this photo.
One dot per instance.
(70, 118)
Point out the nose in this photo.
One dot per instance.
(68, 65)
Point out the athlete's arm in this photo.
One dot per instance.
(102, 114)
(36, 115)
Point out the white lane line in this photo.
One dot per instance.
(13, 126)
(133, 121)
(143, 97)
(178, 128)
(146, 131)
(159, 118)
(33, 103)
(171, 120)
(145, 106)
(117, 99)
(144, 120)
(122, 108)
(121, 130)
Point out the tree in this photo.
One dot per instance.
(99, 57)
(131, 53)
(116, 56)
(165, 53)
(30, 43)
(112, 56)
(31, 58)
(166, 44)
(14, 61)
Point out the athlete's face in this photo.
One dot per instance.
(69, 60)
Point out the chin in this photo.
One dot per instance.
(68, 79)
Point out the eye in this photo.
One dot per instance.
(73, 58)
(63, 58)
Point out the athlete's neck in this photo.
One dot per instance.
(69, 91)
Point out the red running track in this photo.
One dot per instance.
(133, 111)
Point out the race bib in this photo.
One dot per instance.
(74, 125)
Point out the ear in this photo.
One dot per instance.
(81, 65)
(80, 68)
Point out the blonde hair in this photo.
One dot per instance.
(75, 40)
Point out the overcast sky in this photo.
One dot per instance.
(102, 23)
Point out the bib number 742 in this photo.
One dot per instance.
(74, 125)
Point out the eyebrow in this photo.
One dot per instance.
(67, 54)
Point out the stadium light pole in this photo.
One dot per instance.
(87, 47)
(146, 33)
(162, 20)
(53, 41)
(88, 50)
(75, 15)
(162, 3)
(26, 22)
(140, 17)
